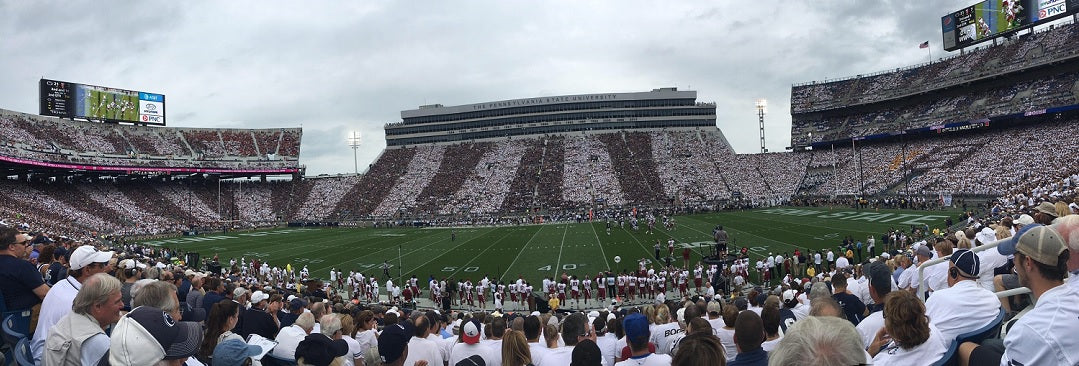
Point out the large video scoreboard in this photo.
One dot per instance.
(98, 103)
(993, 18)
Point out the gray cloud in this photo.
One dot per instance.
(337, 67)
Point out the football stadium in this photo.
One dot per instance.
(922, 215)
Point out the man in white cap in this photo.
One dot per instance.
(85, 262)
(257, 319)
(148, 335)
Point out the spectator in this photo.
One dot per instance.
(532, 330)
(586, 353)
(319, 350)
(1040, 336)
(880, 285)
(158, 294)
(20, 283)
(770, 318)
(516, 350)
(637, 337)
(469, 347)
(296, 306)
(219, 324)
(853, 308)
(699, 349)
(234, 352)
(367, 335)
(420, 347)
(726, 332)
(826, 306)
(289, 337)
(80, 335)
(574, 329)
(912, 339)
(964, 306)
(197, 293)
(261, 318)
(348, 333)
(497, 328)
(85, 262)
(822, 341)
(215, 292)
(748, 336)
(605, 339)
(148, 335)
(665, 331)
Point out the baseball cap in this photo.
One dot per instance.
(1046, 208)
(239, 291)
(1024, 220)
(319, 350)
(234, 352)
(392, 341)
(789, 295)
(258, 296)
(636, 327)
(470, 332)
(967, 263)
(85, 255)
(147, 335)
(1042, 243)
(924, 250)
(131, 264)
(714, 307)
(297, 304)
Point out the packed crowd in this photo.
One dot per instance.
(858, 303)
(1027, 51)
(589, 173)
(44, 139)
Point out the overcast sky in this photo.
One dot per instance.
(343, 66)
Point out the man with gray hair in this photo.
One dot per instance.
(158, 294)
(79, 337)
(820, 340)
(289, 337)
(575, 328)
(85, 262)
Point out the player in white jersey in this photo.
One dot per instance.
(698, 274)
(601, 284)
(575, 290)
(498, 300)
(526, 292)
(561, 292)
(586, 287)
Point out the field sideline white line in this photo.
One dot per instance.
(600, 244)
(519, 254)
(560, 246)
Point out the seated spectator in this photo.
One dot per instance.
(80, 335)
(964, 306)
(637, 336)
(826, 306)
(147, 335)
(820, 341)
(296, 307)
(158, 294)
(85, 262)
(234, 352)
(223, 317)
(1041, 336)
(748, 336)
(880, 285)
(907, 338)
(587, 353)
(770, 317)
(260, 318)
(420, 347)
(319, 350)
(726, 333)
(699, 349)
(470, 347)
(532, 330)
(853, 308)
(20, 283)
(393, 343)
(289, 337)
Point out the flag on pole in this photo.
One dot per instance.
(924, 45)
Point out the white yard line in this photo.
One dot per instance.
(519, 254)
(559, 263)
(600, 244)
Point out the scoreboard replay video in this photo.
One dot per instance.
(97, 103)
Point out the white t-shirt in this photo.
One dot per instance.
(354, 351)
(868, 327)
(928, 352)
(367, 338)
(288, 338)
(539, 351)
(462, 351)
(560, 356)
(936, 276)
(423, 349)
(726, 337)
(989, 260)
(961, 308)
(651, 359)
(842, 263)
(1045, 335)
(906, 279)
(769, 346)
(663, 336)
(607, 344)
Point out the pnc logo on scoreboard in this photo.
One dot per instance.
(150, 119)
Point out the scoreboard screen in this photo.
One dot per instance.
(73, 100)
(993, 18)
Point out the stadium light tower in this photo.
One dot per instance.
(354, 142)
(762, 109)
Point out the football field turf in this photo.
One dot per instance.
(536, 251)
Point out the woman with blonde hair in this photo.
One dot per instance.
(348, 333)
(515, 351)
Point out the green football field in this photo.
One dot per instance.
(535, 251)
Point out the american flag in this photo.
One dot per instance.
(924, 45)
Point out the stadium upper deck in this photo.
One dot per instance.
(33, 142)
(1030, 74)
(659, 108)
